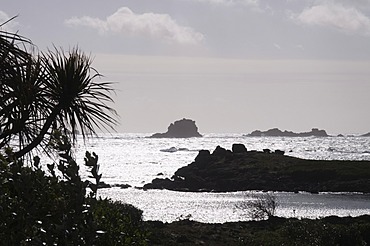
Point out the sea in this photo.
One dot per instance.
(135, 159)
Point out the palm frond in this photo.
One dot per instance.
(82, 100)
(43, 92)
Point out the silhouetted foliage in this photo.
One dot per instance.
(45, 99)
(274, 231)
(47, 91)
(259, 207)
(37, 208)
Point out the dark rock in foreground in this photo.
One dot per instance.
(275, 132)
(238, 170)
(184, 128)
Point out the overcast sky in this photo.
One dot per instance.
(230, 65)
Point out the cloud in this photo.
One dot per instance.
(125, 21)
(337, 16)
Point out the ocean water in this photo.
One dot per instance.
(135, 159)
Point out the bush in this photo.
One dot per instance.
(260, 207)
(321, 232)
(37, 209)
(118, 224)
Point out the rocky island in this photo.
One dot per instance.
(275, 132)
(240, 170)
(184, 128)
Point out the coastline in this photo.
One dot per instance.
(242, 170)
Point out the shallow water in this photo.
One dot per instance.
(135, 159)
(169, 206)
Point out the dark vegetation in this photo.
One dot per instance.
(38, 209)
(274, 231)
(237, 170)
(45, 99)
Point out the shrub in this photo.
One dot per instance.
(118, 224)
(260, 207)
(37, 209)
(320, 232)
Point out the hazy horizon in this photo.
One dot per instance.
(233, 66)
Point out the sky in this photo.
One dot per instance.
(233, 66)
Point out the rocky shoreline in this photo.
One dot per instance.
(239, 169)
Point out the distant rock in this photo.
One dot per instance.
(122, 186)
(275, 132)
(170, 150)
(366, 135)
(103, 185)
(174, 149)
(184, 128)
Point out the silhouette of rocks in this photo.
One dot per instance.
(275, 132)
(184, 128)
(267, 151)
(103, 185)
(366, 135)
(279, 152)
(239, 148)
(123, 186)
(239, 170)
(219, 151)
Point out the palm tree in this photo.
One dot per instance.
(53, 90)
(19, 74)
(75, 101)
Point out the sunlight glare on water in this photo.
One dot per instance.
(135, 159)
(170, 206)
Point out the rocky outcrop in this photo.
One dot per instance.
(184, 128)
(239, 170)
(275, 132)
(103, 185)
(366, 135)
